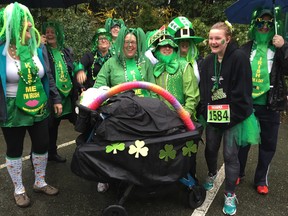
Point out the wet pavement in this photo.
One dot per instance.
(80, 197)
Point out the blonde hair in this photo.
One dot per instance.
(227, 27)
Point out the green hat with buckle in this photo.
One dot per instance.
(161, 38)
(100, 31)
(182, 28)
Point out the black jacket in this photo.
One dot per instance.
(236, 83)
(87, 61)
(276, 99)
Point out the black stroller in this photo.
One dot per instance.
(139, 143)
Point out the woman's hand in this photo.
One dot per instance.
(81, 77)
(43, 39)
(58, 109)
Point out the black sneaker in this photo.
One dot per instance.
(57, 158)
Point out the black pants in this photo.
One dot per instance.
(53, 134)
(53, 130)
(269, 124)
(230, 153)
(14, 138)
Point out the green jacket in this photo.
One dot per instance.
(112, 73)
(183, 86)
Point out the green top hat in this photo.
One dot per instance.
(182, 28)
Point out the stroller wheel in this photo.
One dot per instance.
(115, 210)
(196, 196)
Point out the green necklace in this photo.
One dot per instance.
(217, 72)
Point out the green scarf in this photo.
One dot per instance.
(166, 64)
(260, 73)
(62, 78)
(132, 73)
(30, 97)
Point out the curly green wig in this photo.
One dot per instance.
(59, 32)
(141, 43)
(14, 24)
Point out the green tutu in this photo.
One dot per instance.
(247, 132)
(19, 118)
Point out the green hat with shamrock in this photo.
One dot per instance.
(182, 28)
(161, 38)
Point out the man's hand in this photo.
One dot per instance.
(278, 41)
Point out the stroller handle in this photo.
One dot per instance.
(184, 115)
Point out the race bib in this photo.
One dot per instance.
(218, 113)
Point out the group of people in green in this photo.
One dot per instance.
(235, 93)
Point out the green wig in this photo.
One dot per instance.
(2, 38)
(193, 51)
(59, 32)
(13, 31)
(276, 14)
(109, 23)
(141, 43)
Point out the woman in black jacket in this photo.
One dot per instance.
(226, 104)
(61, 63)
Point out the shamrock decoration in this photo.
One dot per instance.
(189, 148)
(114, 147)
(138, 148)
(167, 152)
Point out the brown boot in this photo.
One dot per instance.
(48, 190)
(22, 200)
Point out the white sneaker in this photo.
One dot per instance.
(102, 187)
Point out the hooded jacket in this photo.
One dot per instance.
(236, 81)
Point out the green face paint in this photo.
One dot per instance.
(223, 41)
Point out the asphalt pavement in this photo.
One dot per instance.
(80, 197)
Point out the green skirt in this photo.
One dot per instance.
(18, 118)
(247, 132)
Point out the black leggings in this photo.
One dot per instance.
(230, 153)
(14, 138)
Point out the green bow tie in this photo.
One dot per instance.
(161, 67)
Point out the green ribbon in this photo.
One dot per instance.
(62, 77)
(161, 67)
(30, 97)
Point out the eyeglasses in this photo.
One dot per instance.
(259, 23)
(131, 43)
(103, 39)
